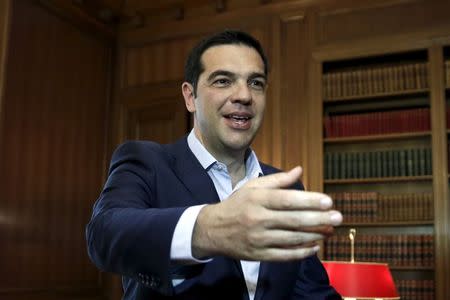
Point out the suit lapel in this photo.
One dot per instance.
(191, 173)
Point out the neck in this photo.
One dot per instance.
(235, 165)
(234, 160)
(237, 171)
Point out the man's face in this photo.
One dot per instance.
(230, 98)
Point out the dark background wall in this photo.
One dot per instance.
(53, 142)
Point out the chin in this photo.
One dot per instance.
(238, 141)
(239, 145)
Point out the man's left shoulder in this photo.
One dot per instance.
(268, 169)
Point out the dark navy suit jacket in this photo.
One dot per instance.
(148, 188)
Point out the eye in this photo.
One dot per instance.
(257, 84)
(222, 82)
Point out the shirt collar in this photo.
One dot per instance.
(253, 169)
(204, 157)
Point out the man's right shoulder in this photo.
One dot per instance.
(137, 149)
(138, 145)
(144, 149)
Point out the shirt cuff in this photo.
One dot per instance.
(181, 246)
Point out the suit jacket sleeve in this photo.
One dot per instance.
(128, 234)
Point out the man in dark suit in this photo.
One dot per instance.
(202, 218)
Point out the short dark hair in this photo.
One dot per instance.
(194, 66)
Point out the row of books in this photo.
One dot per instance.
(377, 164)
(415, 289)
(375, 80)
(447, 73)
(396, 250)
(370, 207)
(382, 122)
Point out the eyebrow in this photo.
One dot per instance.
(233, 75)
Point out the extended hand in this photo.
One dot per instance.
(262, 221)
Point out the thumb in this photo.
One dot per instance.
(278, 180)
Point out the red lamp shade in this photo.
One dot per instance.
(361, 280)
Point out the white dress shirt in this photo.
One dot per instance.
(181, 248)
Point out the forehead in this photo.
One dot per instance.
(235, 58)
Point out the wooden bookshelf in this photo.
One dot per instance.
(379, 180)
(377, 95)
(342, 110)
(388, 224)
(413, 268)
(378, 137)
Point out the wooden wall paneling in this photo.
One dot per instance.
(66, 294)
(116, 118)
(157, 62)
(131, 6)
(242, 18)
(314, 118)
(155, 13)
(380, 20)
(374, 40)
(160, 11)
(292, 82)
(149, 97)
(263, 143)
(315, 133)
(274, 94)
(203, 9)
(5, 16)
(83, 20)
(440, 171)
(111, 283)
(159, 122)
(314, 108)
(54, 131)
(156, 112)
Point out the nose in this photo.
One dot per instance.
(242, 94)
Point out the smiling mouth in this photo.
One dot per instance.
(238, 118)
(239, 122)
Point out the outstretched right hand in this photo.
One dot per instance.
(264, 221)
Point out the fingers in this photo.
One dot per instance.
(304, 220)
(288, 254)
(326, 230)
(285, 239)
(277, 180)
(278, 199)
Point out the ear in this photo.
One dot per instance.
(188, 93)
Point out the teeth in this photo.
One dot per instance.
(239, 117)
